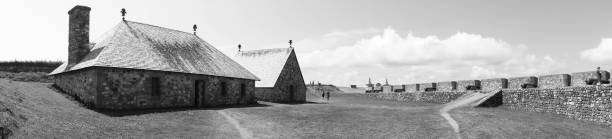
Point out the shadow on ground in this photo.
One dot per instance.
(120, 113)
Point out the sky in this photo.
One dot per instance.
(345, 42)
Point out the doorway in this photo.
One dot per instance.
(291, 93)
(200, 88)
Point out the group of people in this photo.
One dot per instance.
(323, 96)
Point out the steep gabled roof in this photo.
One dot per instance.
(141, 46)
(267, 64)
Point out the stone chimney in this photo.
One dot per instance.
(78, 34)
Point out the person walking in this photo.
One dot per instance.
(328, 96)
(323, 95)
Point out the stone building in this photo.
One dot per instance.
(279, 71)
(137, 65)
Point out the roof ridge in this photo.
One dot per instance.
(127, 21)
(264, 50)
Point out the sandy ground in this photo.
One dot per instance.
(39, 112)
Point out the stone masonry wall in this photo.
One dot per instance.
(80, 84)
(579, 78)
(516, 82)
(587, 103)
(461, 85)
(131, 89)
(493, 84)
(291, 75)
(427, 85)
(412, 87)
(396, 88)
(554, 81)
(446, 86)
(439, 97)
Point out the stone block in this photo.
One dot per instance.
(461, 85)
(554, 81)
(516, 82)
(493, 84)
(447, 86)
(580, 78)
(412, 87)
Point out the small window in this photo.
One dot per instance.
(242, 90)
(155, 89)
(223, 89)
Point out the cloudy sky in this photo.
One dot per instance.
(348, 41)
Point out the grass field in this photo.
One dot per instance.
(33, 110)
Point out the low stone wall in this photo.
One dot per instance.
(554, 81)
(579, 78)
(515, 83)
(446, 86)
(587, 103)
(493, 84)
(461, 85)
(80, 84)
(439, 97)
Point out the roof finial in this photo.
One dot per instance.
(123, 13)
(239, 47)
(195, 27)
(290, 42)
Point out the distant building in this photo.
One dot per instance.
(353, 86)
(137, 65)
(369, 83)
(280, 73)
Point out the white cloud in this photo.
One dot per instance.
(601, 53)
(351, 57)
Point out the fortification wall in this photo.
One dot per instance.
(554, 81)
(563, 94)
(412, 87)
(516, 82)
(446, 86)
(439, 97)
(587, 103)
(461, 85)
(580, 78)
(493, 84)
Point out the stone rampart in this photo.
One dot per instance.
(587, 103)
(516, 82)
(554, 81)
(412, 87)
(387, 89)
(461, 85)
(580, 78)
(446, 86)
(423, 86)
(439, 97)
(493, 84)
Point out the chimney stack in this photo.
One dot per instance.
(78, 34)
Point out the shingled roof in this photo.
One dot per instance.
(141, 46)
(267, 64)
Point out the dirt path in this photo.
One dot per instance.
(244, 133)
(469, 99)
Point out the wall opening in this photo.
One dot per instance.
(242, 90)
(291, 92)
(200, 88)
(223, 89)
(155, 86)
